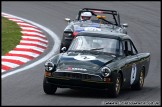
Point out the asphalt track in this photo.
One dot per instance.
(25, 88)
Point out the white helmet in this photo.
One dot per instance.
(86, 15)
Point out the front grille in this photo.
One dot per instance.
(77, 75)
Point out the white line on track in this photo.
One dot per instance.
(7, 16)
(9, 64)
(33, 42)
(34, 37)
(26, 24)
(15, 20)
(32, 33)
(22, 59)
(30, 28)
(30, 47)
(24, 53)
(3, 70)
(55, 39)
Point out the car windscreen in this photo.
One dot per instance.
(91, 43)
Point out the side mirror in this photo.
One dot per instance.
(67, 19)
(125, 24)
(63, 49)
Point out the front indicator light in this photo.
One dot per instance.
(107, 79)
(47, 74)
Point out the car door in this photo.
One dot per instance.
(131, 62)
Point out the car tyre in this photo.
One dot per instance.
(115, 90)
(140, 83)
(48, 88)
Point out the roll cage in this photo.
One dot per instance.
(114, 13)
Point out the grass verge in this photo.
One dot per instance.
(11, 35)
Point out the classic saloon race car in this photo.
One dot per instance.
(98, 19)
(97, 60)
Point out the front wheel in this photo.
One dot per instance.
(49, 88)
(115, 90)
(140, 83)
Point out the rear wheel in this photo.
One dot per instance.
(140, 83)
(115, 90)
(48, 88)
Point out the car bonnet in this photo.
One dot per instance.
(74, 61)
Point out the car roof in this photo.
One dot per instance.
(108, 34)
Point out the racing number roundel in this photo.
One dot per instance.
(133, 73)
(84, 57)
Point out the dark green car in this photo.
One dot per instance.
(97, 60)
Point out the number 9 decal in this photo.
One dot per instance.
(133, 73)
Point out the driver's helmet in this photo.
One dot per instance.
(86, 15)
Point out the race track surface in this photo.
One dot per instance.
(25, 88)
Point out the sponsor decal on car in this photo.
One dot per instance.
(69, 68)
(79, 69)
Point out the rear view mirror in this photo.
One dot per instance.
(125, 24)
(63, 49)
(67, 19)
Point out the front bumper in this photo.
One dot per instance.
(80, 84)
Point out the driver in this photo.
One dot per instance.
(86, 16)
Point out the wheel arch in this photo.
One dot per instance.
(143, 68)
(122, 78)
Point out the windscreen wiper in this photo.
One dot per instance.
(97, 48)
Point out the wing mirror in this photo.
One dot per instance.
(125, 24)
(63, 49)
(67, 19)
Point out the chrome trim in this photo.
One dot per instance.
(80, 73)
(103, 72)
(47, 66)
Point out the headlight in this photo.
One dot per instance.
(105, 71)
(68, 34)
(49, 66)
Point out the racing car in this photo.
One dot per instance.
(97, 60)
(100, 19)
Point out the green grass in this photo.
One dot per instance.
(11, 35)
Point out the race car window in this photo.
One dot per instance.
(90, 43)
(125, 47)
(128, 48)
(120, 49)
(79, 44)
(134, 51)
